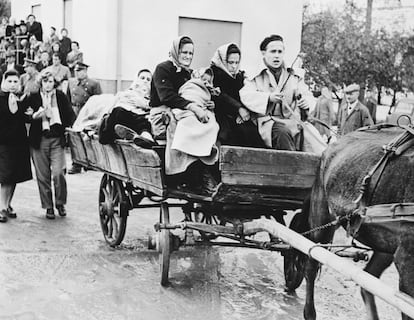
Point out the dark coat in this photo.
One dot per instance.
(65, 48)
(227, 106)
(12, 126)
(165, 84)
(36, 30)
(66, 113)
(359, 117)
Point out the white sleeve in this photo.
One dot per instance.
(254, 100)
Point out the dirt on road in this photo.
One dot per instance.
(63, 269)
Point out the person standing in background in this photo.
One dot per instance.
(34, 27)
(324, 112)
(65, 45)
(80, 89)
(73, 57)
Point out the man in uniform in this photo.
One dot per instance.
(352, 114)
(80, 89)
(29, 80)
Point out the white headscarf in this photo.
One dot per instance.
(175, 51)
(220, 58)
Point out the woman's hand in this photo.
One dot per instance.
(39, 113)
(210, 105)
(199, 112)
(244, 114)
(29, 111)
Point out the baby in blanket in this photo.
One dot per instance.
(197, 128)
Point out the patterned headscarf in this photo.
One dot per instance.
(220, 58)
(175, 51)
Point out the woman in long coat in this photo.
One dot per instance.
(168, 77)
(14, 147)
(236, 126)
(51, 114)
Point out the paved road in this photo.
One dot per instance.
(63, 269)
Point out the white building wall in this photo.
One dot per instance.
(147, 29)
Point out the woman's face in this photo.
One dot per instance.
(144, 78)
(48, 84)
(12, 82)
(186, 54)
(56, 47)
(233, 61)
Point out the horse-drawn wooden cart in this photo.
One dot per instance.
(254, 183)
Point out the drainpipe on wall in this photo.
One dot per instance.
(118, 41)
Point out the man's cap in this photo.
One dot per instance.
(352, 88)
(81, 66)
(28, 62)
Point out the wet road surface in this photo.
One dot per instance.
(63, 269)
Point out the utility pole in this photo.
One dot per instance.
(368, 22)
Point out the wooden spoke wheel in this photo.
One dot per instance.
(294, 261)
(165, 244)
(113, 211)
(208, 219)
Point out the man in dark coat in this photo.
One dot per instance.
(352, 114)
(65, 45)
(34, 27)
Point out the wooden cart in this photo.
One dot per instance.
(254, 183)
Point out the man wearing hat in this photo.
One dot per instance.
(277, 96)
(29, 80)
(80, 89)
(352, 114)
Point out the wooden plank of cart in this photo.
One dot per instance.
(254, 183)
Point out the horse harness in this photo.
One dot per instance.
(382, 213)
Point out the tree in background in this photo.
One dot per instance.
(340, 50)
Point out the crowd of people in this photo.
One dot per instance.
(192, 111)
(26, 39)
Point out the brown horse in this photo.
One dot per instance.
(342, 169)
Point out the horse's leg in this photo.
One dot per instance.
(318, 214)
(404, 261)
(376, 266)
(312, 267)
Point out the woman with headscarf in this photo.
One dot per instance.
(168, 77)
(236, 125)
(14, 146)
(51, 113)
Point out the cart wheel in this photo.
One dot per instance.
(113, 212)
(208, 219)
(294, 261)
(165, 244)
